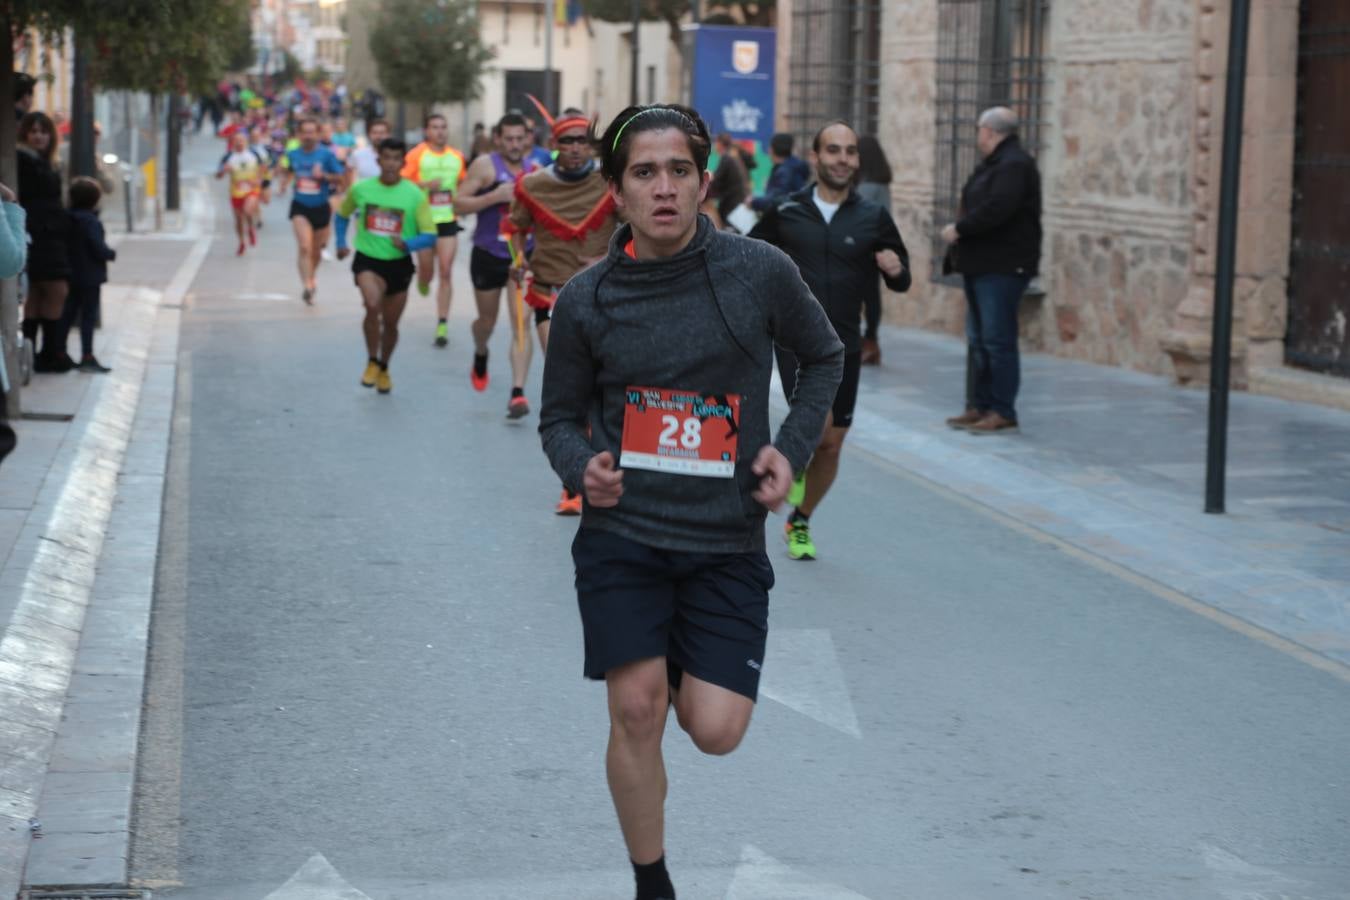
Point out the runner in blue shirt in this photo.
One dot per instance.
(316, 173)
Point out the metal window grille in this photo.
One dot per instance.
(990, 53)
(836, 66)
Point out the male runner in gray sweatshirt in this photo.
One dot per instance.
(656, 408)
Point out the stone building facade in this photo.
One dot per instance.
(1125, 99)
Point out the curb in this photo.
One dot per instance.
(73, 656)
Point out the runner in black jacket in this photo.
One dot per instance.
(839, 242)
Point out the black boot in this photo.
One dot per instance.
(30, 330)
(53, 357)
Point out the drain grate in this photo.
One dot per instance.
(86, 894)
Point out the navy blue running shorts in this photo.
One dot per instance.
(706, 613)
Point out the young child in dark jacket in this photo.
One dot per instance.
(89, 258)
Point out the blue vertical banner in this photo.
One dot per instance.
(733, 86)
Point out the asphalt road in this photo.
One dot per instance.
(367, 670)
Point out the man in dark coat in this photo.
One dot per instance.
(996, 246)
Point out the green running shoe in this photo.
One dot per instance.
(797, 493)
(442, 334)
(798, 536)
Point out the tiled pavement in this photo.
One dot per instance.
(1113, 462)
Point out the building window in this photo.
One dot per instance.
(990, 53)
(836, 65)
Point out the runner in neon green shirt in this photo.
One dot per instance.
(393, 221)
(437, 168)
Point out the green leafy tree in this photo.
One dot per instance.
(428, 51)
(183, 46)
(675, 13)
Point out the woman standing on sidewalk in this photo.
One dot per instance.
(49, 229)
(874, 184)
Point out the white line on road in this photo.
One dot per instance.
(317, 880)
(801, 671)
(761, 877)
(1237, 879)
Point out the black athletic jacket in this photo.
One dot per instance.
(836, 260)
(1000, 223)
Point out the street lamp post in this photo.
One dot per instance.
(633, 74)
(550, 101)
(1226, 257)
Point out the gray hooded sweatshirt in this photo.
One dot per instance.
(703, 321)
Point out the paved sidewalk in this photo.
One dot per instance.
(79, 527)
(1113, 462)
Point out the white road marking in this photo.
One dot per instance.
(801, 671)
(263, 295)
(317, 880)
(761, 877)
(1237, 879)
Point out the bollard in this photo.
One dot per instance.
(126, 196)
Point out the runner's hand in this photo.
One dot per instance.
(603, 482)
(518, 273)
(506, 192)
(775, 477)
(398, 242)
(316, 170)
(6, 194)
(344, 252)
(432, 185)
(888, 261)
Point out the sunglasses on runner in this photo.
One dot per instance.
(573, 139)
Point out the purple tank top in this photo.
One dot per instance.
(487, 231)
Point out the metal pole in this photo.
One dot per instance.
(633, 75)
(173, 144)
(133, 160)
(1226, 257)
(155, 155)
(550, 12)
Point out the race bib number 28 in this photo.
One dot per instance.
(680, 432)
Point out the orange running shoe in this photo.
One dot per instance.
(569, 505)
(479, 382)
(518, 408)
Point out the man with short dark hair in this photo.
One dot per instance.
(438, 169)
(393, 221)
(839, 242)
(788, 175)
(487, 192)
(317, 174)
(996, 246)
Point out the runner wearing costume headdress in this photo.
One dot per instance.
(571, 213)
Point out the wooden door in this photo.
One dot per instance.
(1319, 271)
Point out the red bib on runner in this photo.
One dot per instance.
(440, 198)
(680, 432)
(306, 185)
(384, 222)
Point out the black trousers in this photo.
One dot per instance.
(82, 307)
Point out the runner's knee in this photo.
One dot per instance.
(639, 713)
(715, 738)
